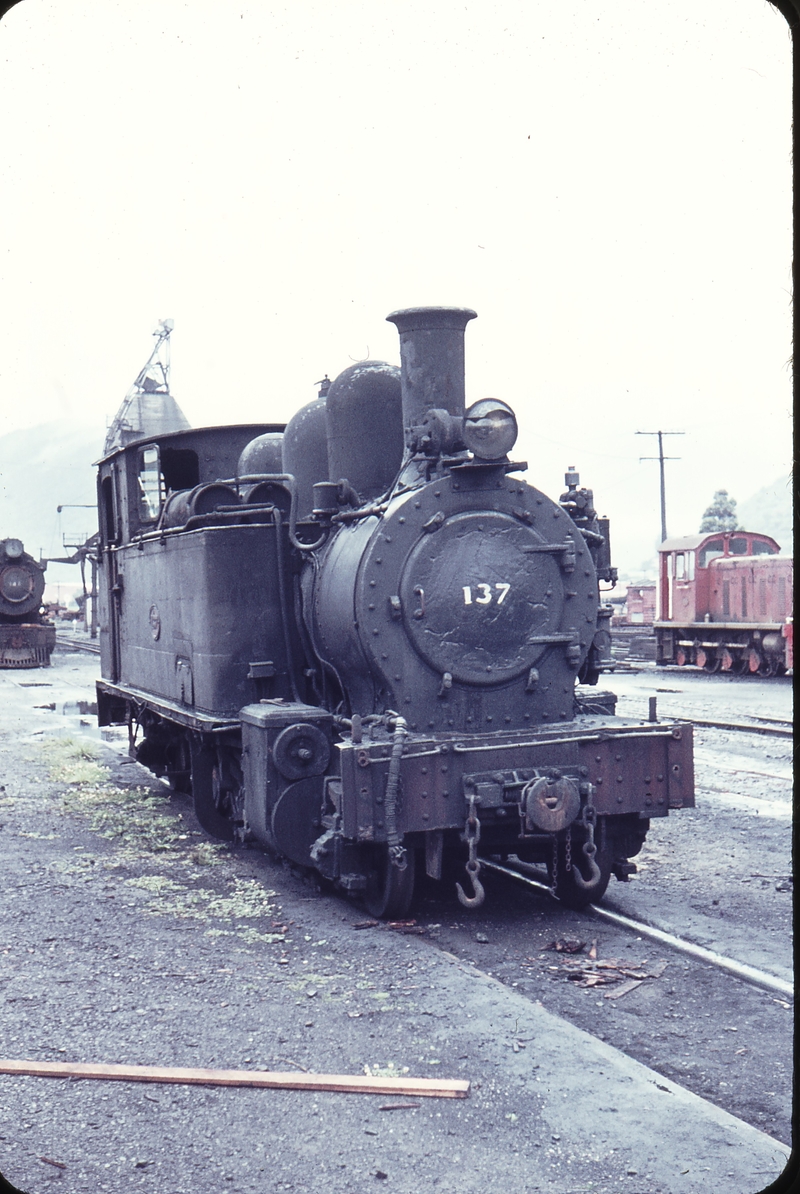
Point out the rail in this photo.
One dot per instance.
(750, 974)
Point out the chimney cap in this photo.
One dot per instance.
(427, 318)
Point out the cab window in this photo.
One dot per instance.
(760, 548)
(738, 547)
(151, 484)
(710, 552)
(680, 568)
(108, 507)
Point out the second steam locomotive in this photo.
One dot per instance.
(363, 641)
(27, 638)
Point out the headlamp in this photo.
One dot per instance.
(490, 429)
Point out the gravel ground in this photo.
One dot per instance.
(128, 937)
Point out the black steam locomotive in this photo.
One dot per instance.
(365, 642)
(27, 638)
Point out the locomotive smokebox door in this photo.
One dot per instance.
(472, 604)
(286, 749)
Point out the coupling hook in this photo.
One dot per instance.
(480, 895)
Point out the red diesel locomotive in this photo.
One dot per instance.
(725, 603)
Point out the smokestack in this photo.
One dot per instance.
(431, 360)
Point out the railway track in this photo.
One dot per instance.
(772, 727)
(750, 974)
(69, 643)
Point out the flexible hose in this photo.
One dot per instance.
(394, 839)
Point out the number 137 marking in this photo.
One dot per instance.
(484, 593)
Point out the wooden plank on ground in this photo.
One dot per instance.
(441, 1088)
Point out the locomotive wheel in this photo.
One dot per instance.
(712, 664)
(209, 800)
(566, 889)
(389, 890)
(769, 667)
(179, 766)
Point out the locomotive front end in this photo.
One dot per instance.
(26, 638)
(458, 614)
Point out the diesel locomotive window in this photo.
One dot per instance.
(760, 548)
(151, 484)
(680, 570)
(738, 547)
(710, 552)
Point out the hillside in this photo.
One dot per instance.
(771, 511)
(42, 468)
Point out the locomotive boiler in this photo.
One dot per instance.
(27, 638)
(365, 642)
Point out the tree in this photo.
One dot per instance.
(721, 514)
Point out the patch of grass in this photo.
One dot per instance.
(142, 827)
(247, 901)
(71, 761)
(207, 854)
(139, 822)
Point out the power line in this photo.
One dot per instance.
(661, 458)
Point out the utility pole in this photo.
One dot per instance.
(661, 458)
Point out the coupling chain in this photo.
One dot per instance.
(472, 835)
(589, 820)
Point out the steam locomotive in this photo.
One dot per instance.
(363, 641)
(27, 638)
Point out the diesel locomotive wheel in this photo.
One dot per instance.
(566, 888)
(389, 890)
(713, 663)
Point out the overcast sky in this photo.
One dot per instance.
(607, 183)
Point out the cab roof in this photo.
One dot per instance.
(692, 542)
